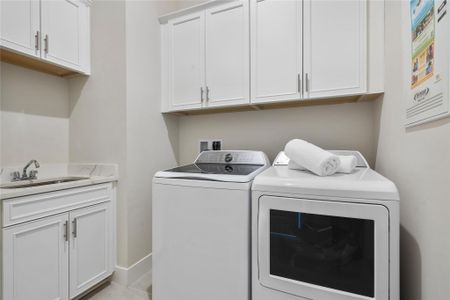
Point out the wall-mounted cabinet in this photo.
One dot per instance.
(208, 57)
(277, 52)
(224, 54)
(39, 32)
(334, 48)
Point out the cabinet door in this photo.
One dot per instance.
(63, 32)
(35, 260)
(91, 247)
(334, 47)
(276, 50)
(19, 26)
(186, 61)
(227, 54)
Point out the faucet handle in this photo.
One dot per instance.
(15, 175)
(33, 174)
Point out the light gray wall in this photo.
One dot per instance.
(34, 114)
(341, 126)
(115, 113)
(418, 161)
(151, 138)
(98, 106)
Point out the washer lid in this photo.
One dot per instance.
(363, 183)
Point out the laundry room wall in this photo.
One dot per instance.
(115, 115)
(152, 139)
(98, 106)
(418, 161)
(340, 126)
(34, 114)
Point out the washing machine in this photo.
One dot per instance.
(324, 238)
(202, 227)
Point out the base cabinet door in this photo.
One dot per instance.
(19, 26)
(35, 260)
(334, 48)
(90, 248)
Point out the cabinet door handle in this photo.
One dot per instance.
(207, 93)
(299, 83)
(66, 231)
(36, 40)
(75, 227)
(307, 82)
(46, 42)
(201, 94)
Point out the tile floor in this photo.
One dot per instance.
(140, 290)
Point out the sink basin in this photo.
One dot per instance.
(33, 183)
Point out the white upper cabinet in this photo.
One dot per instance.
(90, 248)
(64, 31)
(276, 50)
(37, 260)
(186, 61)
(227, 54)
(56, 31)
(334, 48)
(19, 26)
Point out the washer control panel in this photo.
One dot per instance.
(232, 157)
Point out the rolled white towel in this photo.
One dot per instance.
(347, 165)
(311, 157)
(295, 166)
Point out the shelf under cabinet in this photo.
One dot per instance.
(278, 105)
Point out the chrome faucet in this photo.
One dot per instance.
(25, 176)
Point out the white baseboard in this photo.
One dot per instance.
(126, 276)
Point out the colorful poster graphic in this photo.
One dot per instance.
(423, 33)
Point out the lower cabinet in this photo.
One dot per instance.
(36, 260)
(59, 256)
(90, 247)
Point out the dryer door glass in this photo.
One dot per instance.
(318, 249)
(329, 251)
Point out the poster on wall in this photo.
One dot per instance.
(429, 61)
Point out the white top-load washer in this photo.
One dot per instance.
(201, 227)
(324, 238)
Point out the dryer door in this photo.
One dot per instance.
(323, 250)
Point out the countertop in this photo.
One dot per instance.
(96, 173)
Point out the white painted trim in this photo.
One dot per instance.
(126, 276)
